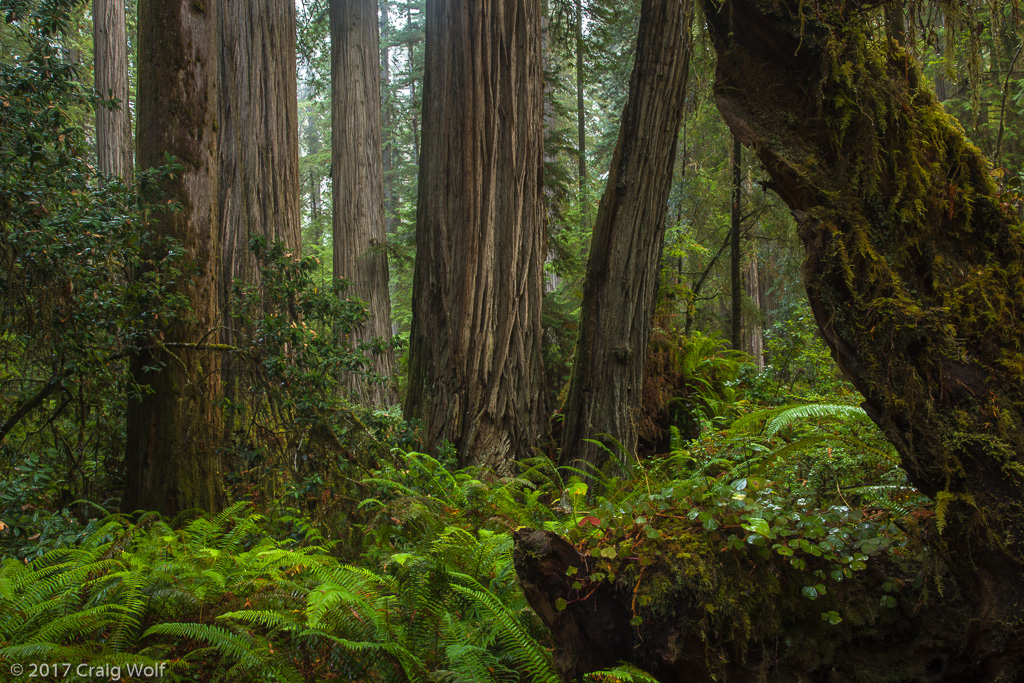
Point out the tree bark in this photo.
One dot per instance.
(753, 331)
(113, 125)
(173, 429)
(581, 114)
(695, 612)
(387, 119)
(625, 252)
(736, 248)
(259, 149)
(357, 171)
(913, 269)
(475, 357)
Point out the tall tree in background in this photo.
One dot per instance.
(174, 427)
(258, 144)
(475, 359)
(358, 178)
(581, 113)
(625, 252)
(736, 247)
(114, 123)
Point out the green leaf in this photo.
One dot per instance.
(758, 526)
(561, 604)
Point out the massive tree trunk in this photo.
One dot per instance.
(358, 181)
(174, 428)
(914, 269)
(693, 612)
(113, 125)
(259, 148)
(915, 272)
(625, 252)
(475, 359)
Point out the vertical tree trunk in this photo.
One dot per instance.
(172, 456)
(387, 118)
(475, 357)
(735, 248)
(581, 114)
(259, 147)
(113, 126)
(753, 332)
(358, 180)
(625, 252)
(313, 147)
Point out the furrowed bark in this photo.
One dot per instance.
(258, 151)
(358, 181)
(475, 358)
(172, 446)
(113, 125)
(625, 253)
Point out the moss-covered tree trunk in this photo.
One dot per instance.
(475, 377)
(625, 252)
(914, 269)
(172, 456)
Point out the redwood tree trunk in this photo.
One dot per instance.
(736, 248)
(172, 456)
(113, 126)
(475, 359)
(914, 268)
(358, 180)
(625, 252)
(259, 148)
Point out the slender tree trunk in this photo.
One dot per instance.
(581, 114)
(316, 202)
(625, 252)
(172, 456)
(735, 248)
(475, 358)
(113, 126)
(753, 333)
(387, 117)
(259, 149)
(914, 274)
(413, 109)
(358, 181)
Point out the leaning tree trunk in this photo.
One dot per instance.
(259, 150)
(172, 457)
(914, 269)
(475, 360)
(625, 253)
(113, 125)
(357, 170)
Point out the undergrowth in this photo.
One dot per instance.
(433, 595)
